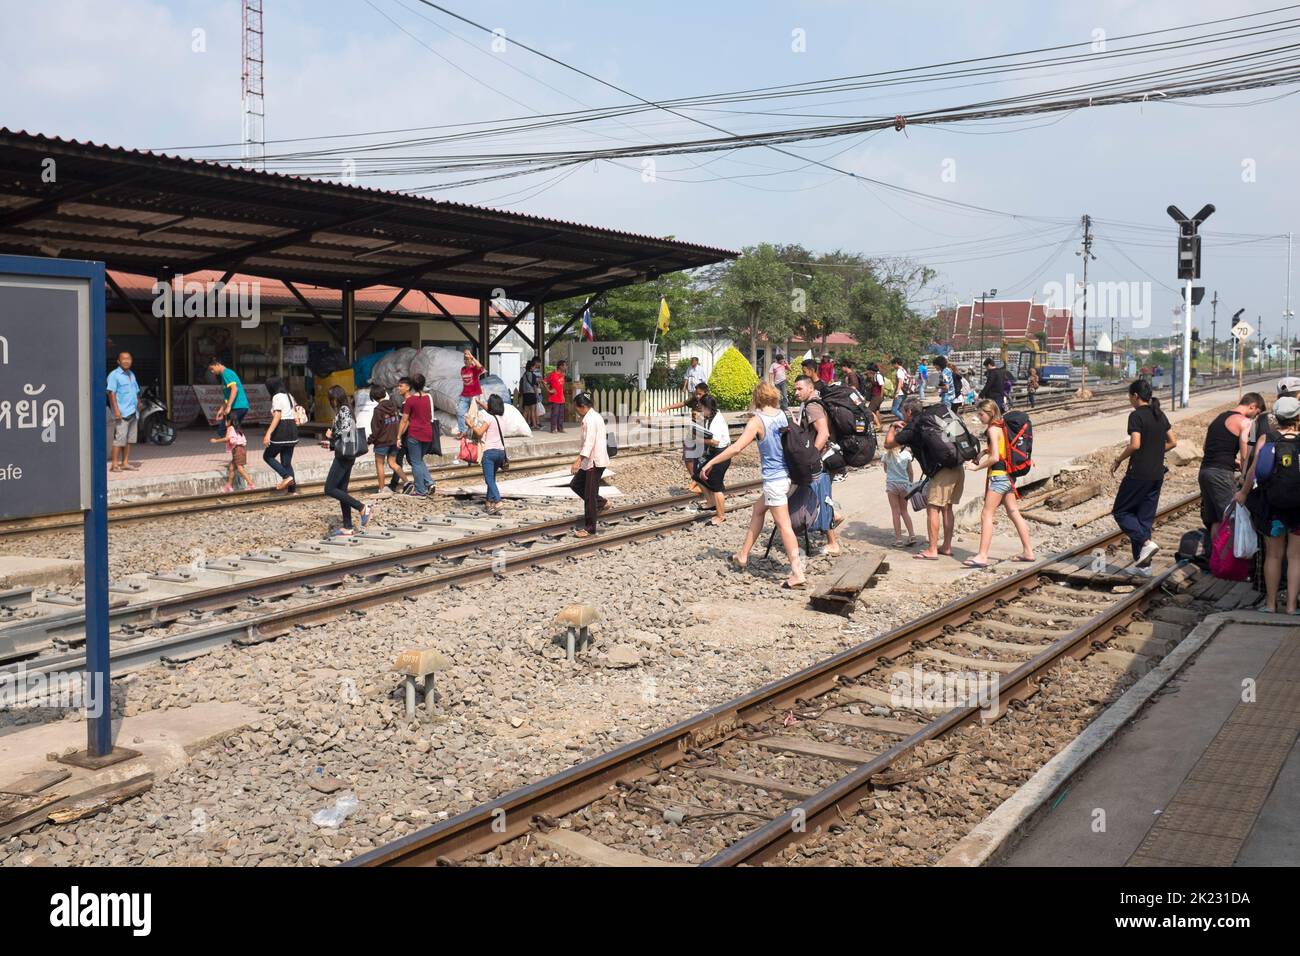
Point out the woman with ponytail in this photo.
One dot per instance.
(1138, 497)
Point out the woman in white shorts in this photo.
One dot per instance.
(765, 428)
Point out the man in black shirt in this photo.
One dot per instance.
(1138, 497)
(995, 384)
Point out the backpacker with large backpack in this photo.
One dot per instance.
(1020, 443)
(848, 419)
(946, 442)
(799, 448)
(1278, 471)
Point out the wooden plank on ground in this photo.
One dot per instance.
(1239, 595)
(815, 748)
(1042, 518)
(857, 572)
(878, 725)
(594, 852)
(758, 783)
(1071, 497)
(13, 806)
(82, 805)
(34, 782)
(1095, 516)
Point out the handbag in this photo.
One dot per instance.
(1223, 563)
(916, 494)
(468, 450)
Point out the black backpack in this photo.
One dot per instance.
(846, 410)
(946, 441)
(1020, 443)
(1282, 485)
(802, 459)
(956, 382)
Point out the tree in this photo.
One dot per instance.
(754, 297)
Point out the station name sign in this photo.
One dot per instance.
(608, 358)
(45, 408)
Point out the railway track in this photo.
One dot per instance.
(742, 781)
(177, 628)
(267, 497)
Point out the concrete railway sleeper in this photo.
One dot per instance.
(771, 747)
(310, 597)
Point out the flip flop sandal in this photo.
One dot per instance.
(972, 563)
(1023, 560)
(794, 587)
(736, 565)
(583, 533)
(925, 557)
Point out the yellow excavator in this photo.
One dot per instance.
(1030, 356)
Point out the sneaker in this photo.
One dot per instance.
(227, 488)
(366, 512)
(1142, 572)
(1147, 553)
(342, 533)
(408, 488)
(412, 494)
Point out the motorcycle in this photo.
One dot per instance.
(155, 427)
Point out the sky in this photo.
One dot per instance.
(136, 73)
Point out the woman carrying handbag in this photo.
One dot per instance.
(488, 432)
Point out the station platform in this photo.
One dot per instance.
(1207, 774)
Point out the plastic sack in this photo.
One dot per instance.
(1223, 563)
(344, 807)
(392, 366)
(1245, 542)
(364, 368)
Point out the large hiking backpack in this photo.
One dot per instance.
(850, 429)
(1020, 443)
(1280, 464)
(846, 410)
(946, 440)
(956, 381)
(802, 459)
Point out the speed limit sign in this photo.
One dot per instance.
(1242, 330)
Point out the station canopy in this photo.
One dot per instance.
(158, 215)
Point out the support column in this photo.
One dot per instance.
(168, 354)
(484, 334)
(539, 331)
(350, 324)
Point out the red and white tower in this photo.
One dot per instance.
(254, 133)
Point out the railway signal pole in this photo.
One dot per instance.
(1189, 268)
(1086, 252)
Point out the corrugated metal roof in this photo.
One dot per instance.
(153, 213)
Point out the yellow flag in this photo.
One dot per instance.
(664, 316)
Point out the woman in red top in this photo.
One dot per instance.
(470, 389)
(555, 396)
(416, 430)
(826, 372)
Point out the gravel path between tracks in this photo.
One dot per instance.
(166, 543)
(679, 632)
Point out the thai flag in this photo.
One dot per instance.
(588, 333)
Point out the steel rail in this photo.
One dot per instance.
(820, 810)
(168, 610)
(261, 497)
(512, 815)
(400, 581)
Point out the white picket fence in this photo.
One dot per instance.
(631, 401)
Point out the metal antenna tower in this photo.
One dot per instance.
(254, 104)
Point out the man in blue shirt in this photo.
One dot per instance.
(236, 402)
(921, 372)
(947, 386)
(123, 398)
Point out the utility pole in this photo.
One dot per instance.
(1214, 340)
(1287, 311)
(1086, 252)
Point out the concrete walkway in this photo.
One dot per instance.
(1172, 790)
